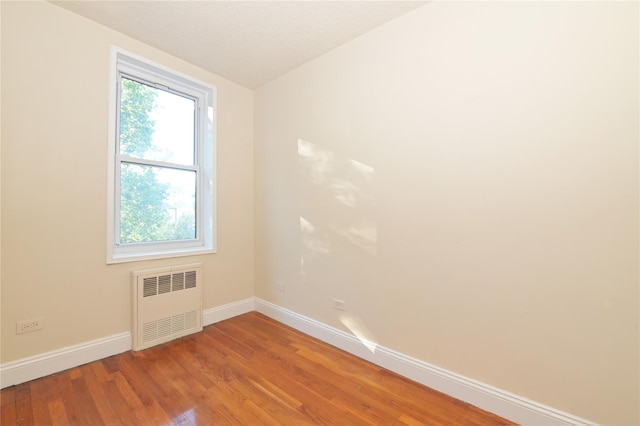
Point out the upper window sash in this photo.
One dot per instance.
(199, 106)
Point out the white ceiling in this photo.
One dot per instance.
(249, 42)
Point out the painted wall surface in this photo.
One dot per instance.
(465, 178)
(55, 97)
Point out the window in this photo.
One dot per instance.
(161, 149)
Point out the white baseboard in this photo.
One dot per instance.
(23, 370)
(489, 398)
(230, 310)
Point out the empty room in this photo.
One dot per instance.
(320, 212)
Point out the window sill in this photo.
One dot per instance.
(139, 255)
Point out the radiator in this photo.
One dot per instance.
(167, 304)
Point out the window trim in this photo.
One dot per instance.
(130, 65)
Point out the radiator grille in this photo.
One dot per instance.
(167, 326)
(167, 304)
(168, 283)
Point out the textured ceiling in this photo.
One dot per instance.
(249, 42)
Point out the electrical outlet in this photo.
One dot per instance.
(29, 325)
(338, 304)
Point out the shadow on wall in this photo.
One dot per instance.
(338, 232)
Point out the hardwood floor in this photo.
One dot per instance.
(248, 370)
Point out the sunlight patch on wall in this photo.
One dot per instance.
(316, 160)
(314, 245)
(348, 181)
(364, 235)
(313, 240)
(338, 230)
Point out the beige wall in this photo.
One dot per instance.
(55, 88)
(465, 178)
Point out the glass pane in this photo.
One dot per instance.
(156, 204)
(156, 124)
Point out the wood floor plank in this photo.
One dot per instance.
(87, 405)
(58, 413)
(125, 415)
(73, 410)
(8, 406)
(24, 413)
(190, 389)
(346, 394)
(147, 412)
(248, 370)
(155, 379)
(307, 385)
(100, 370)
(39, 403)
(94, 392)
(281, 407)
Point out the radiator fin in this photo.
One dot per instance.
(164, 327)
(150, 286)
(190, 279)
(177, 323)
(164, 284)
(190, 319)
(178, 282)
(150, 331)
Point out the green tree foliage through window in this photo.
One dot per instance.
(144, 214)
(136, 127)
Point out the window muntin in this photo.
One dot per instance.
(161, 170)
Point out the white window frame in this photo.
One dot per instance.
(127, 64)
